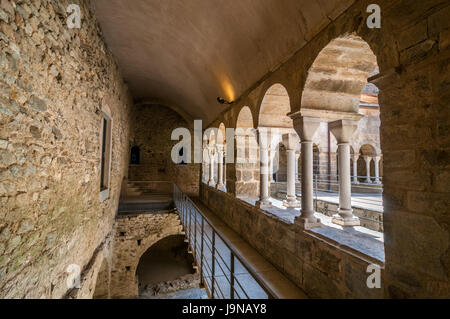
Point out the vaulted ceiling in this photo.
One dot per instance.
(186, 53)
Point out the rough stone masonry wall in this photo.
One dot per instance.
(413, 53)
(133, 236)
(152, 130)
(54, 82)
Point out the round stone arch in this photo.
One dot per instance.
(338, 75)
(381, 42)
(274, 107)
(149, 242)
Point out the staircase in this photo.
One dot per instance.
(146, 197)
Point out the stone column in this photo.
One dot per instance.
(271, 158)
(297, 156)
(211, 153)
(343, 131)
(355, 158)
(305, 128)
(376, 161)
(224, 168)
(220, 184)
(291, 141)
(264, 199)
(368, 159)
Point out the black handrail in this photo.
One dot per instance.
(186, 208)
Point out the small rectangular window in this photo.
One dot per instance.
(106, 152)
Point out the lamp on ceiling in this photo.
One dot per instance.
(223, 101)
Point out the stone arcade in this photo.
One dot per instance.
(340, 163)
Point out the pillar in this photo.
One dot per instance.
(264, 199)
(343, 131)
(355, 158)
(271, 164)
(368, 159)
(291, 141)
(376, 160)
(211, 153)
(297, 156)
(220, 152)
(305, 128)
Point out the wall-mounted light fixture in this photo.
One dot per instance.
(223, 101)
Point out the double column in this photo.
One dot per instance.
(264, 198)
(291, 141)
(343, 131)
(305, 128)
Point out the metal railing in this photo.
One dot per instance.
(223, 273)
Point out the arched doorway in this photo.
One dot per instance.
(166, 267)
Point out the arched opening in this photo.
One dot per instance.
(247, 156)
(103, 281)
(366, 155)
(274, 108)
(276, 126)
(166, 267)
(336, 92)
(338, 75)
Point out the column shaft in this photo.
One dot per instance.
(220, 184)
(291, 198)
(264, 201)
(211, 182)
(307, 180)
(368, 159)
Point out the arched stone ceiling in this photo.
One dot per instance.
(188, 53)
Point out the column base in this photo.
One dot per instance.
(292, 203)
(264, 204)
(212, 184)
(220, 187)
(347, 221)
(307, 223)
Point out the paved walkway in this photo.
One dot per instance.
(246, 286)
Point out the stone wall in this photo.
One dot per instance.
(151, 131)
(318, 265)
(54, 82)
(135, 234)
